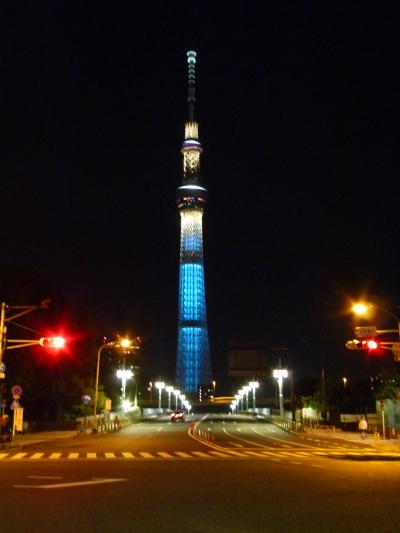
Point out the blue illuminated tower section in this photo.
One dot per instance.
(193, 358)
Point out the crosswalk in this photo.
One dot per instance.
(216, 453)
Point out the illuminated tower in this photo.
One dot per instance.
(193, 357)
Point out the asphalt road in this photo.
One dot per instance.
(229, 475)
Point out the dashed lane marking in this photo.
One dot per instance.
(109, 455)
(73, 455)
(147, 455)
(18, 456)
(165, 455)
(91, 455)
(128, 455)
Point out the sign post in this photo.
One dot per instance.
(382, 403)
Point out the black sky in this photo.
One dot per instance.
(297, 111)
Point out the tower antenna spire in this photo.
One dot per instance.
(191, 61)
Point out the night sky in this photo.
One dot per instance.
(296, 104)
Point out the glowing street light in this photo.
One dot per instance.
(120, 343)
(279, 374)
(176, 393)
(253, 386)
(124, 375)
(160, 385)
(169, 389)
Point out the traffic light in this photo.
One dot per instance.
(372, 345)
(56, 343)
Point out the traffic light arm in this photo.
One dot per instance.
(21, 343)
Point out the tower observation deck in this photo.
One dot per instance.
(193, 366)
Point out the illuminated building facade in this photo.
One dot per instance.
(193, 355)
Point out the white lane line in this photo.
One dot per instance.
(165, 455)
(19, 455)
(109, 455)
(71, 484)
(318, 466)
(3, 455)
(128, 455)
(37, 455)
(295, 462)
(73, 455)
(55, 455)
(91, 455)
(146, 455)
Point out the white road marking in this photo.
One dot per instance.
(183, 454)
(73, 455)
(128, 455)
(19, 455)
(71, 484)
(91, 455)
(109, 455)
(146, 455)
(201, 454)
(55, 455)
(37, 455)
(165, 455)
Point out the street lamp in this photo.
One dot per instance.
(169, 389)
(121, 343)
(254, 385)
(176, 393)
(279, 374)
(160, 385)
(124, 375)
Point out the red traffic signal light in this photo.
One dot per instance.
(372, 344)
(56, 343)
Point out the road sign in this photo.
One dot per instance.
(14, 404)
(365, 331)
(16, 390)
(19, 418)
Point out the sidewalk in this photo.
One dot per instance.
(37, 437)
(354, 436)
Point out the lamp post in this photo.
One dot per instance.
(169, 389)
(254, 385)
(124, 375)
(176, 393)
(160, 385)
(279, 374)
(246, 391)
(122, 343)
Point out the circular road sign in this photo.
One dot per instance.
(16, 390)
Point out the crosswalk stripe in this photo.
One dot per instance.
(19, 455)
(91, 455)
(37, 455)
(147, 455)
(3, 455)
(165, 455)
(200, 454)
(55, 455)
(183, 454)
(128, 455)
(238, 454)
(73, 455)
(220, 454)
(109, 455)
(256, 454)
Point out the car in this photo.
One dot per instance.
(178, 416)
